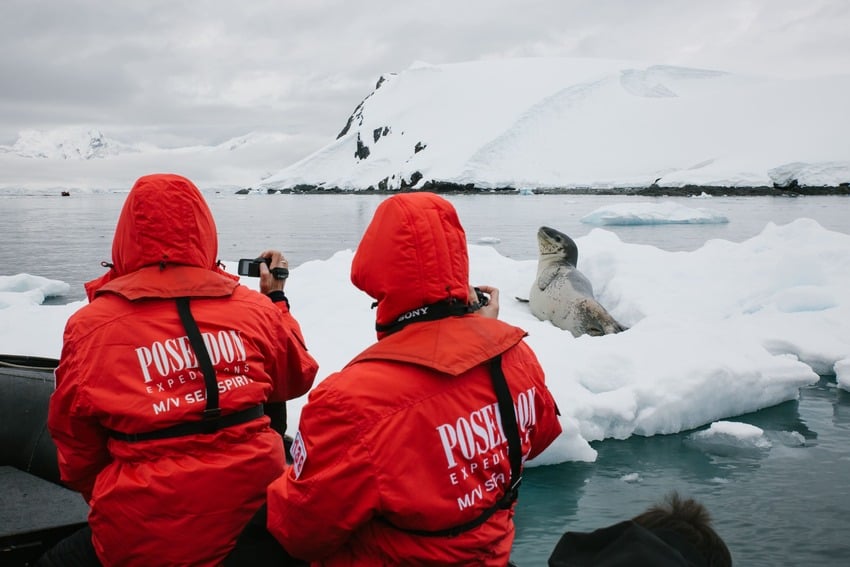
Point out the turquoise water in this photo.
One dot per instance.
(789, 504)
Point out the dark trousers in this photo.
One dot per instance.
(76, 550)
(256, 546)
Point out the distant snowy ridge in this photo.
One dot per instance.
(85, 159)
(66, 143)
(89, 143)
(583, 123)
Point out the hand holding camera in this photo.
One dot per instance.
(251, 268)
(487, 299)
(270, 266)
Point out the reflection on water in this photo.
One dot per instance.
(549, 499)
(788, 504)
(841, 411)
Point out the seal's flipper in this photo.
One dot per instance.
(545, 277)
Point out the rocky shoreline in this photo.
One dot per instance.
(792, 190)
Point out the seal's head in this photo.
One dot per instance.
(552, 242)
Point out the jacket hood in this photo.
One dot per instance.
(165, 219)
(165, 222)
(412, 254)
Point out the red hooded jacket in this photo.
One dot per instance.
(407, 436)
(127, 366)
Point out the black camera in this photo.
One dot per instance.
(482, 297)
(251, 268)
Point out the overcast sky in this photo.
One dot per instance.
(187, 72)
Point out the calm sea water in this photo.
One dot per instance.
(778, 507)
(66, 238)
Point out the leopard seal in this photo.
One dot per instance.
(562, 294)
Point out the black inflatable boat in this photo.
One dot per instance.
(35, 509)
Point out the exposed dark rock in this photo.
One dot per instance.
(244, 191)
(362, 149)
(358, 113)
(791, 184)
(415, 177)
(419, 147)
(358, 110)
(446, 187)
(470, 188)
(378, 132)
(345, 128)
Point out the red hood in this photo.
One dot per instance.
(165, 219)
(165, 222)
(413, 253)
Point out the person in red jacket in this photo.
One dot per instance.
(412, 454)
(163, 384)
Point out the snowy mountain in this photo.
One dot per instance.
(65, 143)
(86, 160)
(584, 123)
(538, 123)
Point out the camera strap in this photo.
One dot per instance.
(511, 430)
(432, 312)
(212, 420)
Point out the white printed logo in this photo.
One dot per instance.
(475, 447)
(174, 355)
(480, 432)
(299, 454)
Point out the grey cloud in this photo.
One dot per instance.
(201, 72)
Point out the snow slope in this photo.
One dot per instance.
(567, 123)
